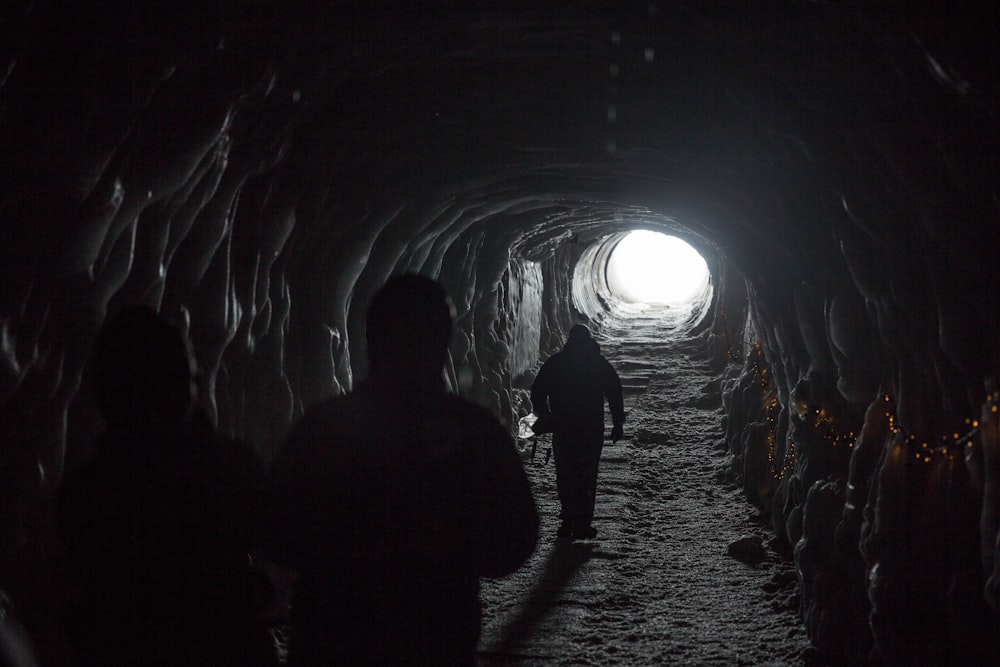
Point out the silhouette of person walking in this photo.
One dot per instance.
(157, 526)
(569, 393)
(392, 501)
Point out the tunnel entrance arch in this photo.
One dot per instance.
(647, 267)
(601, 288)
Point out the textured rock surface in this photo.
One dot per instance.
(256, 170)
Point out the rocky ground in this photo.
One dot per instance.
(656, 586)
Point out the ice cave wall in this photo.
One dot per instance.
(256, 170)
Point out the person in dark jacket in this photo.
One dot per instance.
(569, 393)
(392, 501)
(157, 526)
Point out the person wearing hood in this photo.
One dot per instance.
(568, 394)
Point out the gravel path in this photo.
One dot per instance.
(656, 586)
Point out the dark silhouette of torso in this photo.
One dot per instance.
(157, 526)
(391, 502)
(159, 534)
(573, 384)
(392, 506)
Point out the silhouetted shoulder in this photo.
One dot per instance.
(607, 365)
(480, 423)
(509, 519)
(236, 474)
(307, 480)
(337, 416)
(552, 368)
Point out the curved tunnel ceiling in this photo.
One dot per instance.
(832, 156)
(257, 169)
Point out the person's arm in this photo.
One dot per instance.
(509, 518)
(540, 392)
(616, 401)
(292, 497)
(242, 492)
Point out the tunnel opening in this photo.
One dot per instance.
(618, 307)
(643, 273)
(650, 269)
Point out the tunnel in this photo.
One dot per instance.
(256, 170)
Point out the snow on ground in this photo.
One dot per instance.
(656, 586)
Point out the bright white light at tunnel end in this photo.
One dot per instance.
(648, 267)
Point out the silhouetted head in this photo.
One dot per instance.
(408, 329)
(579, 340)
(578, 334)
(143, 373)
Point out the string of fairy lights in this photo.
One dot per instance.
(824, 425)
(771, 408)
(945, 446)
(948, 445)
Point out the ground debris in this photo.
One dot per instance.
(748, 549)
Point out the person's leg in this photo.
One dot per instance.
(577, 454)
(562, 451)
(591, 448)
(573, 466)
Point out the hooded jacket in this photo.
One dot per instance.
(573, 384)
